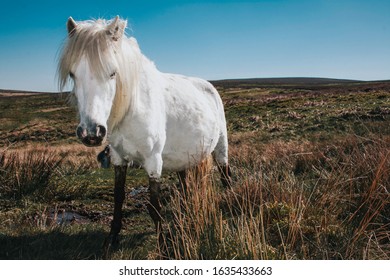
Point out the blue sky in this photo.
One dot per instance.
(210, 39)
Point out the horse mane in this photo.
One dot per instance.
(104, 53)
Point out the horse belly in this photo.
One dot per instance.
(177, 158)
(189, 142)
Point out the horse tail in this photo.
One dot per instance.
(221, 149)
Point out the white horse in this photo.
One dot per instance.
(162, 121)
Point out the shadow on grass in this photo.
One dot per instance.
(57, 245)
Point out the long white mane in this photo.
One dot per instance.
(95, 42)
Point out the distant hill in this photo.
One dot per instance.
(10, 92)
(293, 81)
(300, 83)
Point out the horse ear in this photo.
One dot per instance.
(71, 26)
(116, 28)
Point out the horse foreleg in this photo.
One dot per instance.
(154, 206)
(119, 197)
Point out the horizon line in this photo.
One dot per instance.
(264, 79)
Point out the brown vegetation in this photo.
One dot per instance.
(311, 167)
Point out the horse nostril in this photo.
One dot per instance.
(80, 132)
(101, 131)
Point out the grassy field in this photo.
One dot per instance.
(311, 163)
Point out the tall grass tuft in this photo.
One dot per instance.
(42, 174)
(27, 174)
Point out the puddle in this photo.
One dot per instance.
(138, 190)
(68, 217)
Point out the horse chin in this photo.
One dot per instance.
(92, 141)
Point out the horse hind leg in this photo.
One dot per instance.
(182, 175)
(226, 175)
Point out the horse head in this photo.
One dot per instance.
(90, 60)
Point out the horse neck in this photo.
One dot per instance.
(126, 96)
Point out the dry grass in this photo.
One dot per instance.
(289, 201)
(38, 171)
(74, 154)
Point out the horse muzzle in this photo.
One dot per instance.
(91, 137)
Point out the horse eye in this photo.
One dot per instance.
(71, 75)
(112, 75)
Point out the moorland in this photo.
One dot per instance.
(311, 165)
